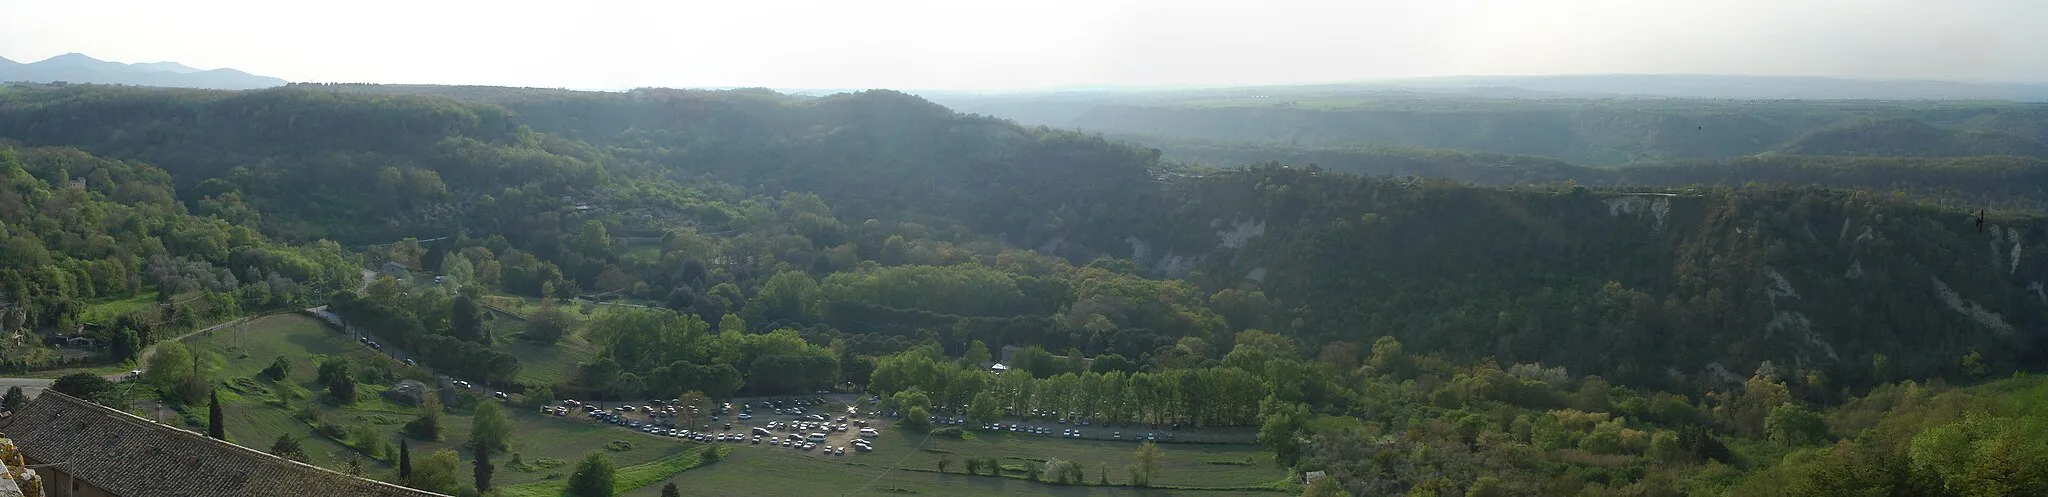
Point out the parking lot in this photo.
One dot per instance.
(1047, 424)
(823, 424)
(829, 425)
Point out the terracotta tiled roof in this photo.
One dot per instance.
(134, 457)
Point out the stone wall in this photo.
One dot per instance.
(19, 481)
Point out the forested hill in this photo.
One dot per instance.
(363, 167)
(1994, 182)
(1688, 286)
(1596, 132)
(1672, 287)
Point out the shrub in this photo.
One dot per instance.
(278, 369)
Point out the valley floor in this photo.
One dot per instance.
(549, 446)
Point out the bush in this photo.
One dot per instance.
(86, 386)
(916, 419)
(278, 369)
(950, 432)
(334, 431)
(428, 425)
(619, 446)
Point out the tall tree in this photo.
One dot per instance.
(594, 477)
(466, 319)
(483, 468)
(548, 325)
(169, 365)
(14, 399)
(214, 428)
(437, 473)
(1148, 458)
(491, 428)
(428, 425)
(404, 459)
(343, 389)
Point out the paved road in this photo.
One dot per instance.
(30, 386)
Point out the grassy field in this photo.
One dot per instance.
(781, 472)
(755, 470)
(538, 364)
(898, 466)
(254, 422)
(107, 311)
(547, 364)
(646, 478)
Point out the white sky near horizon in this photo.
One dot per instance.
(968, 44)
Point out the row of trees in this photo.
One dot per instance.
(660, 353)
(1197, 396)
(425, 323)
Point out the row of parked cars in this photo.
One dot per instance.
(1068, 432)
(794, 442)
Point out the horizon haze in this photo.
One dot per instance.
(1062, 44)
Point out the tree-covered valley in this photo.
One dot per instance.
(1827, 316)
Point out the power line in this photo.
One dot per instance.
(892, 467)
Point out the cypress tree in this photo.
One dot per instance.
(14, 399)
(483, 468)
(404, 460)
(213, 419)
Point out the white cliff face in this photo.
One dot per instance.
(1814, 341)
(1139, 249)
(1997, 241)
(1052, 247)
(1788, 321)
(1718, 372)
(1779, 286)
(2014, 234)
(1977, 313)
(1855, 270)
(1657, 207)
(1240, 233)
(1256, 274)
(1175, 266)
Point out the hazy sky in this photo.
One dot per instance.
(973, 44)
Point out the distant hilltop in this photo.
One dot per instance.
(80, 68)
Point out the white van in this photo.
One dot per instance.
(815, 437)
(869, 433)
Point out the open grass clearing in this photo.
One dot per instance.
(544, 364)
(255, 422)
(107, 311)
(754, 469)
(786, 472)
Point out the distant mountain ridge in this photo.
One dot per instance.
(80, 68)
(1738, 86)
